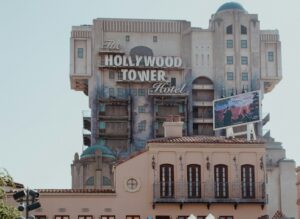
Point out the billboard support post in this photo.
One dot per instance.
(250, 132)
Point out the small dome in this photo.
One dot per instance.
(91, 151)
(231, 6)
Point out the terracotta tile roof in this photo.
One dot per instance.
(76, 191)
(206, 139)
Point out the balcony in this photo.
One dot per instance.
(209, 193)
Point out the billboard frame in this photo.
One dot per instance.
(239, 124)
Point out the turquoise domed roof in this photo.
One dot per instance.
(231, 6)
(91, 151)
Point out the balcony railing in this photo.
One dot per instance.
(209, 192)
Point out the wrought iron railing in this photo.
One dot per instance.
(209, 192)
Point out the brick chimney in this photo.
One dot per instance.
(173, 126)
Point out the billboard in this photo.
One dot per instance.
(237, 110)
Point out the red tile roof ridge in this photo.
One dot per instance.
(206, 139)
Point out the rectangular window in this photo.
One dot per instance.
(102, 125)
(141, 109)
(108, 216)
(229, 43)
(141, 92)
(40, 217)
(142, 125)
(132, 217)
(166, 181)
(229, 60)
(120, 76)
(226, 217)
(127, 38)
(155, 39)
(111, 75)
(111, 91)
(121, 92)
(270, 56)
(244, 60)
(230, 76)
(182, 217)
(133, 91)
(244, 44)
(61, 217)
(244, 76)
(173, 82)
(201, 217)
(85, 217)
(102, 107)
(180, 108)
(80, 53)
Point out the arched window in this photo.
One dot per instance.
(248, 181)
(243, 30)
(229, 29)
(90, 181)
(221, 181)
(166, 180)
(194, 180)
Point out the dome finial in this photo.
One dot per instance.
(231, 6)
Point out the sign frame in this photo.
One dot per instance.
(241, 123)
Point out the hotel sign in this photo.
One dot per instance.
(164, 88)
(143, 68)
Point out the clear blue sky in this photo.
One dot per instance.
(40, 116)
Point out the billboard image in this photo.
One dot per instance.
(237, 110)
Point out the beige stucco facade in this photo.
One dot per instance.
(146, 198)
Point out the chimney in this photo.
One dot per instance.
(173, 126)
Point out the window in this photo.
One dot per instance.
(101, 107)
(85, 217)
(201, 217)
(141, 109)
(111, 75)
(131, 184)
(244, 44)
(180, 108)
(90, 181)
(194, 180)
(155, 39)
(244, 76)
(221, 181)
(229, 60)
(142, 125)
(244, 60)
(229, 43)
(243, 30)
(248, 181)
(226, 217)
(133, 91)
(108, 216)
(141, 92)
(173, 82)
(111, 91)
(61, 217)
(120, 76)
(229, 29)
(166, 180)
(230, 76)
(102, 125)
(270, 56)
(80, 53)
(127, 38)
(40, 217)
(132, 217)
(121, 92)
(182, 217)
